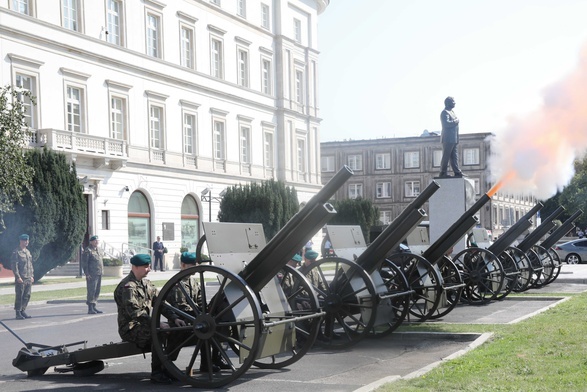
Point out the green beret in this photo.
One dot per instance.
(297, 258)
(140, 259)
(93, 238)
(23, 237)
(311, 254)
(188, 257)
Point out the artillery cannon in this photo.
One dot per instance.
(242, 315)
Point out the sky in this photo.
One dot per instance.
(516, 68)
(387, 65)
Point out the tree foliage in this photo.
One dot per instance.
(53, 214)
(16, 177)
(573, 197)
(270, 203)
(357, 211)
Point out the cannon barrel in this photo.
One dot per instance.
(294, 235)
(396, 231)
(560, 232)
(540, 231)
(508, 238)
(455, 232)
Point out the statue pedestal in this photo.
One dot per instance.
(447, 205)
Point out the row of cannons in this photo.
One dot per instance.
(256, 310)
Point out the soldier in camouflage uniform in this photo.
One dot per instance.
(135, 296)
(93, 266)
(312, 274)
(22, 266)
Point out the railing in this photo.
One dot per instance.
(61, 140)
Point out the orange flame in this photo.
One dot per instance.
(498, 185)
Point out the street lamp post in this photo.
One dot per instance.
(206, 196)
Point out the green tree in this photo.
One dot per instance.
(16, 178)
(357, 211)
(270, 203)
(573, 197)
(54, 214)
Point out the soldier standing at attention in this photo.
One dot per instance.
(135, 296)
(93, 267)
(22, 266)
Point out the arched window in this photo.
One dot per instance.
(190, 224)
(139, 228)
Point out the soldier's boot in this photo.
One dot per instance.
(96, 309)
(91, 309)
(23, 314)
(19, 315)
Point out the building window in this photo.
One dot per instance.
(70, 14)
(27, 83)
(355, 162)
(245, 144)
(114, 22)
(301, 156)
(187, 47)
(297, 30)
(75, 109)
(383, 190)
(218, 140)
(265, 18)
(412, 188)
(300, 87)
(156, 126)
(268, 149)
(243, 67)
(105, 220)
(327, 163)
(23, 6)
(477, 185)
(241, 8)
(470, 156)
(385, 217)
(436, 158)
(382, 161)
(216, 58)
(153, 33)
(118, 118)
(411, 159)
(355, 190)
(189, 133)
(266, 86)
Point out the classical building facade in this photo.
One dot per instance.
(392, 172)
(162, 104)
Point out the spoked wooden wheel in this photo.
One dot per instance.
(347, 295)
(424, 281)
(524, 267)
(557, 264)
(227, 314)
(482, 273)
(512, 274)
(201, 250)
(395, 304)
(453, 287)
(547, 267)
(537, 269)
(303, 303)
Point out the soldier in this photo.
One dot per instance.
(22, 266)
(287, 279)
(93, 266)
(135, 296)
(312, 274)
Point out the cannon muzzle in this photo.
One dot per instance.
(560, 232)
(508, 238)
(540, 231)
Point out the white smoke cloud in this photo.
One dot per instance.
(535, 154)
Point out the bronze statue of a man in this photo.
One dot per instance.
(449, 139)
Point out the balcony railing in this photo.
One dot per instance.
(79, 142)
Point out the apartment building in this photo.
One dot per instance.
(392, 171)
(162, 104)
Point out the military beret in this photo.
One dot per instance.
(23, 237)
(140, 259)
(93, 238)
(297, 258)
(311, 254)
(188, 257)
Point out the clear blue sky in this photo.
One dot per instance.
(387, 65)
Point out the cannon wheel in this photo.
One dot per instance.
(524, 266)
(349, 300)
(453, 287)
(186, 352)
(557, 264)
(424, 280)
(199, 248)
(299, 293)
(512, 274)
(482, 273)
(547, 267)
(398, 286)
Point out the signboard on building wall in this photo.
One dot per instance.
(168, 231)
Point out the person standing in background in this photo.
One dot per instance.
(158, 248)
(93, 267)
(21, 262)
